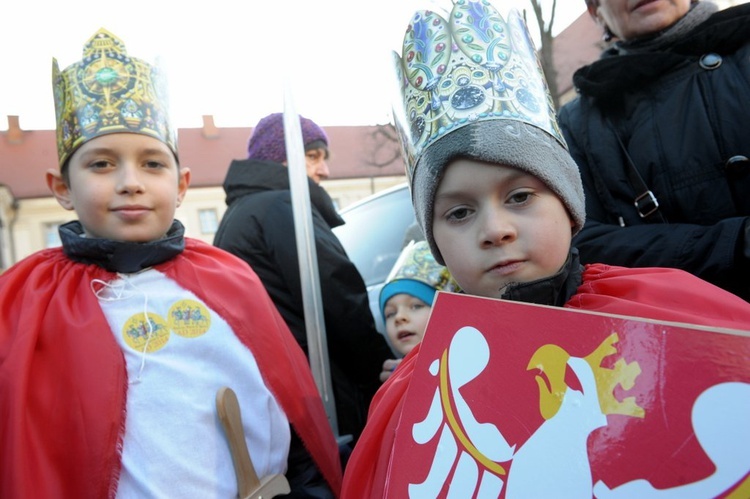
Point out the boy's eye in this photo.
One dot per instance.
(99, 165)
(457, 214)
(154, 164)
(519, 197)
(417, 306)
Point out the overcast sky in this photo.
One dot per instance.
(227, 58)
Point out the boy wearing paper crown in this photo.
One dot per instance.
(499, 198)
(113, 347)
(406, 299)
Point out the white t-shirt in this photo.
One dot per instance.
(177, 360)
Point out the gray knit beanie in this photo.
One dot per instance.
(505, 141)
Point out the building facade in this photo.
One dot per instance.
(363, 161)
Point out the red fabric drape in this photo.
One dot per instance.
(63, 379)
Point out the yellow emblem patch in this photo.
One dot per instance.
(189, 318)
(146, 332)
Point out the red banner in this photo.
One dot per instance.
(523, 401)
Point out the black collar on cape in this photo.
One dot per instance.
(612, 75)
(250, 176)
(555, 290)
(121, 256)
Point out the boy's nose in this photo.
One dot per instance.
(401, 316)
(129, 180)
(497, 228)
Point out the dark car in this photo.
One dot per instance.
(373, 237)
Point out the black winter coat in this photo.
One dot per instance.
(681, 114)
(258, 227)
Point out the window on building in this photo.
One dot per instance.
(209, 220)
(51, 236)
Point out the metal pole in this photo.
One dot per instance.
(317, 346)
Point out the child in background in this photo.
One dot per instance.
(113, 347)
(499, 198)
(406, 299)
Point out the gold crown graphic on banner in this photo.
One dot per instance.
(473, 66)
(109, 92)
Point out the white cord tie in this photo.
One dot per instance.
(117, 290)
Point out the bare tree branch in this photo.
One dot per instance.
(545, 51)
(384, 146)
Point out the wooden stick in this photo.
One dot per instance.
(248, 484)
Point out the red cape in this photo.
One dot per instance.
(653, 293)
(63, 382)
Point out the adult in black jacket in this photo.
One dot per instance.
(258, 226)
(666, 111)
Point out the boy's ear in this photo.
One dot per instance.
(59, 188)
(184, 183)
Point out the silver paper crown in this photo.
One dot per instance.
(474, 67)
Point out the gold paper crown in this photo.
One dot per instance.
(109, 92)
(474, 67)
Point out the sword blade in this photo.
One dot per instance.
(317, 345)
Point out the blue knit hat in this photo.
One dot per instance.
(416, 273)
(267, 140)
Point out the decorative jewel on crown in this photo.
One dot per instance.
(109, 92)
(473, 66)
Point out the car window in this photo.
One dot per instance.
(374, 232)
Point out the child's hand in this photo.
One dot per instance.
(388, 367)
